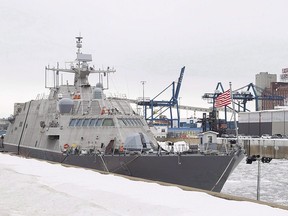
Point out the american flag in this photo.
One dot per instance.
(223, 99)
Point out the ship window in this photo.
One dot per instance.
(126, 122)
(99, 122)
(140, 122)
(108, 122)
(130, 122)
(121, 122)
(79, 122)
(92, 122)
(72, 122)
(133, 122)
(137, 122)
(85, 122)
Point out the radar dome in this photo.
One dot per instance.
(65, 105)
(98, 93)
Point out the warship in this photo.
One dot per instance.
(78, 125)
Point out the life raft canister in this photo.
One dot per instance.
(121, 148)
(103, 110)
(66, 146)
(77, 96)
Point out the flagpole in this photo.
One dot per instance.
(234, 113)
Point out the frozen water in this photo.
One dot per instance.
(273, 181)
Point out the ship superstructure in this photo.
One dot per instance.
(79, 115)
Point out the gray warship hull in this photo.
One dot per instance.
(208, 172)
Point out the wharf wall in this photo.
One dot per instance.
(274, 148)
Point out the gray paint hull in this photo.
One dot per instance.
(208, 172)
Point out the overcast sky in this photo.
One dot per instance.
(217, 41)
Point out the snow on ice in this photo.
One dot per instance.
(32, 187)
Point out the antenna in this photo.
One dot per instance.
(57, 76)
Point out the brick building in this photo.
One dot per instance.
(277, 89)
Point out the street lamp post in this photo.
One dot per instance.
(258, 179)
(257, 158)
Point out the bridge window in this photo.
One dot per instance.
(92, 122)
(130, 122)
(79, 122)
(134, 122)
(139, 122)
(99, 122)
(85, 122)
(108, 122)
(72, 122)
(126, 122)
(121, 122)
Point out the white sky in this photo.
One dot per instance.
(31, 187)
(217, 41)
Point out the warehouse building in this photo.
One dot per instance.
(263, 122)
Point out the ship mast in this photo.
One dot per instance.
(79, 43)
(81, 68)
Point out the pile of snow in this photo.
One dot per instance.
(32, 187)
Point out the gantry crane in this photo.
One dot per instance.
(241, 96)
(164, 104)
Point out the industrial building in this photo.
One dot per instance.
(263, 81)
(272, 117)
(270, 86)
(263, 122)
(277, 89)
